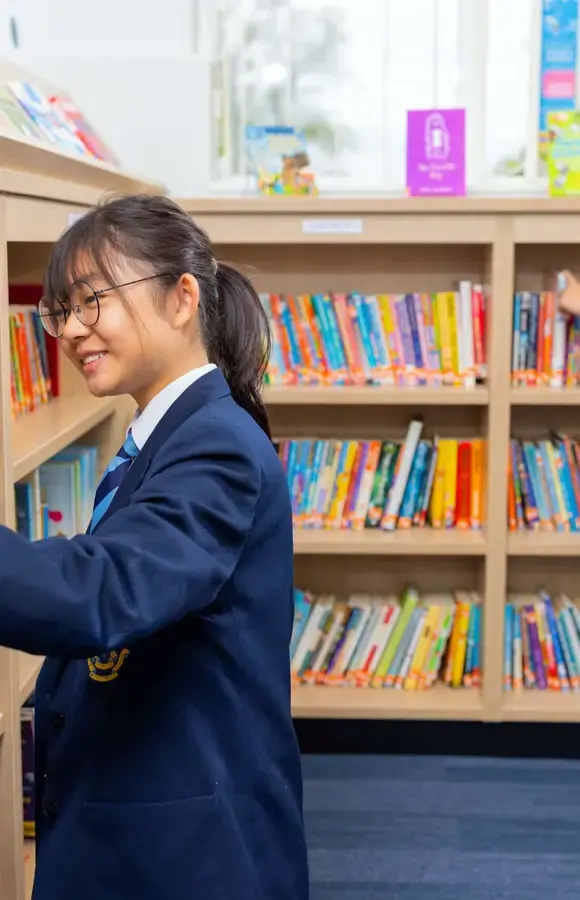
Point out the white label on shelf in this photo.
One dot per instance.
(74, 217)
(332, 226)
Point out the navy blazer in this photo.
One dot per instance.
(167, 763)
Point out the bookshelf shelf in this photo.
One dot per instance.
(374, 395)
(373, 542)
(39, 435)
(534, 543)
(28, 669)
(541, 706)
(439, 702)
(545, 397)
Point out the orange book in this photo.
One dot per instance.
(307, 367)
(477, 484)
(463, 508)
(549, 313)
(349, 339)
(540, 340)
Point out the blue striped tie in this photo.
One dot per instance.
(112, 478)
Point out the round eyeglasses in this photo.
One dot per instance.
(83, 301)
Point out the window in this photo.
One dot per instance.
(347, 71)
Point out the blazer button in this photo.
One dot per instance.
(51, 810)
(58, 721)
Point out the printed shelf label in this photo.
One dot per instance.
(332, 226)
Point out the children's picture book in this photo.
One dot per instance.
(278, 159)
(13, 118)
(564, 153)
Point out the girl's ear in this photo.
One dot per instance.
(186, 302)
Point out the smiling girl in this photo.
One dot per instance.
(167, 765)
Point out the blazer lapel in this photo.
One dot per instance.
(211, 386)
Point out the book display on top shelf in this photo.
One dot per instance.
(542, 643)
(402, 340)
(386, 485)
(408, 642)
(55, 120)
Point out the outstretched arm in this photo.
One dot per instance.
(163, 556)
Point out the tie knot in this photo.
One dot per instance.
(130, 447)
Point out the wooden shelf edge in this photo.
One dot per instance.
(305, 395)
(386, 205)
(533, 543)
(540, 706)
(439, 702)
(545, 396)
(28, 669)
(415, 542)
(39, 435)
(20, 154)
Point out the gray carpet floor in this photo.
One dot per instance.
(442, 828)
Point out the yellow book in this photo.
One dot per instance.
(450, 484)
(342, 484)
(477, 484)
(460, 649)
(418, 661)
(444, 329)
(437, 502)
(453, 335)
(434, 645)
(448, 672)
(388, 322)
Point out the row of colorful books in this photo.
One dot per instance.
(405, 642)
(352, 484)
(385, 339)
(544, 485)
(30, 375)
(542, 643)
(56, 500)
(545, 343)
(55, 120)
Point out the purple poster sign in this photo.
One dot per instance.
(436, 152)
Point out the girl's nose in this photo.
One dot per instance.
(74, 329)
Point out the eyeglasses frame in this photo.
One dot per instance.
(66, 312)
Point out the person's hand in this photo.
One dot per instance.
(568, 293)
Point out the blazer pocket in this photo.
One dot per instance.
(142, 847)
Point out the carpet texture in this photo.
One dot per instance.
(442, 828)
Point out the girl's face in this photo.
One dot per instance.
(136, 346)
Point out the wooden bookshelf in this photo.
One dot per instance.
(384, 244)
(41, 192)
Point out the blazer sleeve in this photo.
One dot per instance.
(165, 555)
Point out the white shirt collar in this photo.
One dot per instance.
(145, 421)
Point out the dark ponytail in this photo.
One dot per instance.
(236, 334)
(156, 233)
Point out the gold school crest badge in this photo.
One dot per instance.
(106, 667)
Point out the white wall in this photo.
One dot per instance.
(129, 65)
(115, 27)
